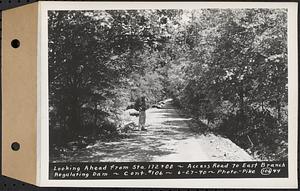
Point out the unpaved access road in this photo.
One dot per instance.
(168, 139)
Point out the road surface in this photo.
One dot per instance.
(168, 139)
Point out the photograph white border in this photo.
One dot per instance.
(43, 119)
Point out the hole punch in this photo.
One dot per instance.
(15, 146)
(15, 43)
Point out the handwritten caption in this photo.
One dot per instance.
(167, 170)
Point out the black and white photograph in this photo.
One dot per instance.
(168, 85)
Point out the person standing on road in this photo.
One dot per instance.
(141, 107)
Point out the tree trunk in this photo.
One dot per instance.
(95, 114)
(242, 103)
(74, 120)
(278, 109)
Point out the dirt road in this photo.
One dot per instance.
(168, 139)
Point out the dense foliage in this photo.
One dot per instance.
(225, 67)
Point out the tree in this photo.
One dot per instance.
(95, 55)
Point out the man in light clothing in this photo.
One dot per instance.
(140, 105)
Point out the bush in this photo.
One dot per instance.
(257, 131)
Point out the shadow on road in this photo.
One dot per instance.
(169, 137)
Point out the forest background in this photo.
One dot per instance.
(227, 68)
